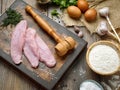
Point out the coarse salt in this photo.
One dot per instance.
(104, 59)
(89, 86)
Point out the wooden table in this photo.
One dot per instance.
(10, 79)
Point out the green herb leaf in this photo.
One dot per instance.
(54, 13)
(64, 3)
(13, 17)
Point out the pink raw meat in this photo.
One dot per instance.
(30, 39)
(34, 60)
(45, 53)
(17, 41)
(31, 48)
(38, 49)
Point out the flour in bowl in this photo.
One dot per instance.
(104, 59)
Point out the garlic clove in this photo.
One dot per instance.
(80, 34)
(76, 29)
(104, 12)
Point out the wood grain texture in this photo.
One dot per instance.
(0, 7)
(47, 77)
(5, 4)
(12, 80)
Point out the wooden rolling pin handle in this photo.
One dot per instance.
(43, 24)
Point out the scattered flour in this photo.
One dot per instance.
(103, 58)
(82, 71)
(89, 86)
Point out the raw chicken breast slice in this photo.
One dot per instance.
(30, 39)
(17, 41)
(34, 61)
(31, 48)
(44, 52)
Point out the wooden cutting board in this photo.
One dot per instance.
(44, 76)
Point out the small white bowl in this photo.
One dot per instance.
(94, 82)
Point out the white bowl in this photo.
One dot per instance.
(94, 82)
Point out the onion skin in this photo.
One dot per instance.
(74, 12)
(83, 5)
(90, 15)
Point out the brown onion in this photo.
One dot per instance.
(90, 14)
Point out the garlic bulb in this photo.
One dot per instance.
(104, 12)
(102, 28)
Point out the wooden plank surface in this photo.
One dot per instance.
(49, 76)
(10, 79)
(0, 7)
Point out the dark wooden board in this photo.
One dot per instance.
(44, 76)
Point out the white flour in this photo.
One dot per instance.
(104, 59)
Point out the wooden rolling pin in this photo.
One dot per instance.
(64, 45)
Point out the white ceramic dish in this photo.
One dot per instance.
(93, 81)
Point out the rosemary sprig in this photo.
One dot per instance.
(13, 17)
